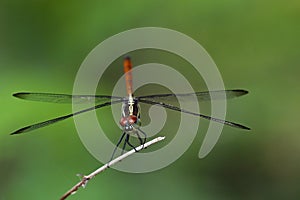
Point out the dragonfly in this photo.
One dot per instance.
(130, 121)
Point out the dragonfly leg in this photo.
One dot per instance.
(139, 137)
(127, 141)
(116, 147)
(145, 135)
(124, 145)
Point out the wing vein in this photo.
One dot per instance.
(57, 119)
(171, 107)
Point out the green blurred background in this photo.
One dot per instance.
(256, 47)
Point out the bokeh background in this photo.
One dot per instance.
(256, 47)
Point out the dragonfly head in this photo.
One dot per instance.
(127, 122)
(128, 127)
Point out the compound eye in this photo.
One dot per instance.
(123, 121)
(132, 119)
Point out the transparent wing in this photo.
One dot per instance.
(63, 98)
(58, 119)
(201, 96)
(171, 107)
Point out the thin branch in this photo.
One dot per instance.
(86, 178)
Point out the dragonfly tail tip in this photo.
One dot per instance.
(126, 57)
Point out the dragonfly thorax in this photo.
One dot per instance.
(130, 114)
(130, 107)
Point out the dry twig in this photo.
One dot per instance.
(86, 178)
